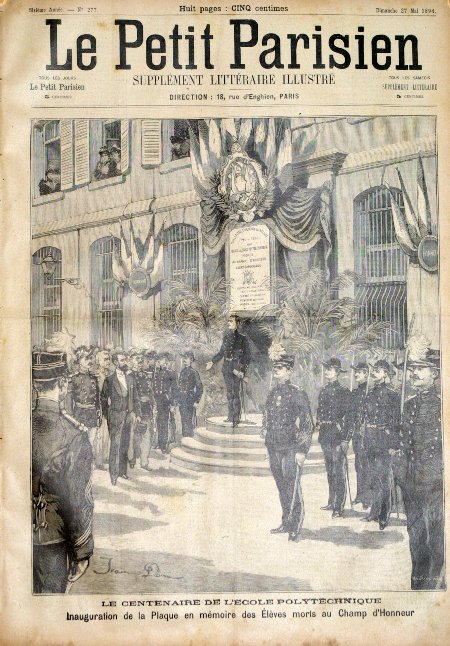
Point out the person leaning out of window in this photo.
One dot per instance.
(51, 183)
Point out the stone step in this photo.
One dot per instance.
(256, 453)
(218, 424)
(238, 440)
(180, 457)
(215, 437)
(189, 458)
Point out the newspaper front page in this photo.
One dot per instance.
(223, 322)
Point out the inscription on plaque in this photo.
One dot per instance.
(249, 267)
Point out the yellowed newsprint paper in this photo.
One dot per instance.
(225, 366)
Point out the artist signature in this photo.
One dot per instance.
(149, 569)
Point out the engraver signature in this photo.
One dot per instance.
(149, 569)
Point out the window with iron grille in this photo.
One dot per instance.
(180, 261)
(107, 294)
(381, 264)
(46, 297)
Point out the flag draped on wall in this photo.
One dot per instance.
(133, 252)
(299, 217)
(412, 226)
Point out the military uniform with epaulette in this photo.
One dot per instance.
(189, 393)
(164, 393)
(83, 402)
(333, 430)
(381, 434)
(357, 398)
(422, 486)
(145, 406)
(287, 427)
(61, 485)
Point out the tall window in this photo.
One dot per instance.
(108, 146)
(111, 134)
(107, 294)
(180, 259)
(176, 143)
(52, 145)
(381, 263)
(46, 296)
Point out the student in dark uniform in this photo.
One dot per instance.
(334, 434)
(189, 393)
(356, 408)
(235, 352)
(61, 482)
(164, 393)
(83, 401)
(144, 404)
(287, 428)
(150, 440)
(423, 484)
(119, 405)
(171, 367)
(381, 435)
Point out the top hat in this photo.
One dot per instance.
(103, 150)
(335, 363)
(285, 361)
(360, 366)
(47, 366)
(115, 149)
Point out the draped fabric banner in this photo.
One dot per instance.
(299, 217)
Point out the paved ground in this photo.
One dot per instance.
(180, 531)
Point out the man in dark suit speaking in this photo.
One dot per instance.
(235, 352)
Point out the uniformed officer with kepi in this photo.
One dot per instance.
(61, 482)
(83, 401)
(235, 352)
(423, 484)
(189, 393)
(287, 428)
(165, 393)
(356, 409)
(381, 436)
(334, 434)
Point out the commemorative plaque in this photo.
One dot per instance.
(250, 263)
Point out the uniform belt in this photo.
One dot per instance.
(227, 359)
(381, 427)
(327, 422)
(79, 405)
(144, 400)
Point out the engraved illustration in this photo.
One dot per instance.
(236, 355)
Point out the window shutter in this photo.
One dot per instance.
(81, 151)
(66, 154)
(151, 142)
(124, 145)
(38, 158)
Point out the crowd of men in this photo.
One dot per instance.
(397, 445)
(116, 407)
(126, 403)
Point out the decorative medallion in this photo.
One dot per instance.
(246, 193)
